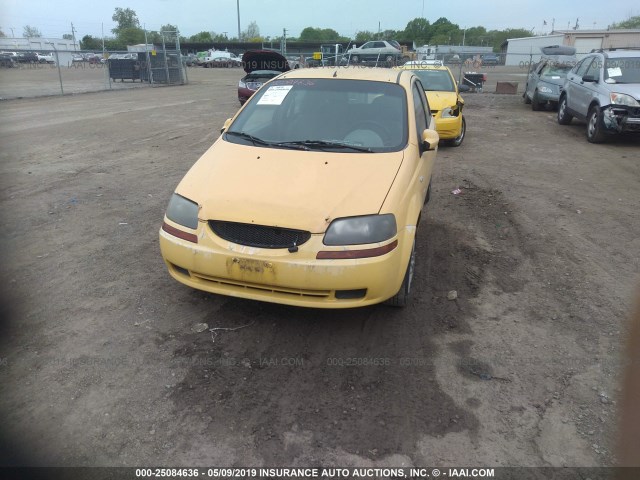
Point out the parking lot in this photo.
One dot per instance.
(101, 363)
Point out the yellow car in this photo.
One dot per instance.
(312, 194)
(444, 98)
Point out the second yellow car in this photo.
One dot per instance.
(444, 98)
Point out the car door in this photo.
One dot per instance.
(588, 90)
(534, 77)
(573, 84)
(423, 121)
(366, 50)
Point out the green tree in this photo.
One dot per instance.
(131, 36)
(126, 20)
(364, 36)
(67, 36)
(90, 43)
(417, 30)
(311, 34)
(2, 35)
(252, 33)
(202, 37)
(631, 22)
(498, 37)
(30, 32)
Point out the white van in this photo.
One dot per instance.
(220, 58)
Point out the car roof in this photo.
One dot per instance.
(620, 53)
(365, 73)
(427, 66)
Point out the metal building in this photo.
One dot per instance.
(522, 50)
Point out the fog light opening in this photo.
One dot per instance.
(181, 270)
(351, 294)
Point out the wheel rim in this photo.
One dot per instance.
(591, 129)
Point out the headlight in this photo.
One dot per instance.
(624, 99)
(449, 112)
(544, 89)
(183, 211)
(241, 84)
(361, 230)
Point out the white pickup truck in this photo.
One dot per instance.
(46, 58)
(219, 58)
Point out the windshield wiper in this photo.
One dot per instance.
(259, 141)
(310, 144)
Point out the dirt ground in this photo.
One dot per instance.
(100, 365)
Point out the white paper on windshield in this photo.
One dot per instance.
(275, 95)
(556, 77)
(614, 72)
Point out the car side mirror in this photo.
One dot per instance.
(430, 139)
(589, 79)
(227, 122)
(463, 88)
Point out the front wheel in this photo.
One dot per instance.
(355, 59)
(595, 126)
(456, 142)
(401, 298)
(564, 117)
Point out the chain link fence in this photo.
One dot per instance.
(66, 72)
(60, 72)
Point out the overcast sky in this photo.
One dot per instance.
(53, 18)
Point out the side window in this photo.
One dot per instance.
(420, 109)
(577, 66)
(380, 45)
(582, 67)
(367, 45)
(594, 68)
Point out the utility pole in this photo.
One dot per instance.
(73, 35)
(283, 47)
(553, 25)
(577, 25)
(239, 34)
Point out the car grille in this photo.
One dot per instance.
(258, 235)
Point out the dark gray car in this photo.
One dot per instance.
(545, 83)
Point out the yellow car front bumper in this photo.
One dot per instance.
(448, 128)
(276, 275)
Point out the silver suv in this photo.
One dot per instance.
(603, 89)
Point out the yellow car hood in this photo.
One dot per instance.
(441, 100)
(290, 188)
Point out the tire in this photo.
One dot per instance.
(535, 103)
(595, 126)
(389, 58)
(401, 298)
(564, 117)
(525, 98)
(456, 142)
(428, 196)
(355, 59)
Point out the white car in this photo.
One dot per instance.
(46, 58)
(377, 50)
